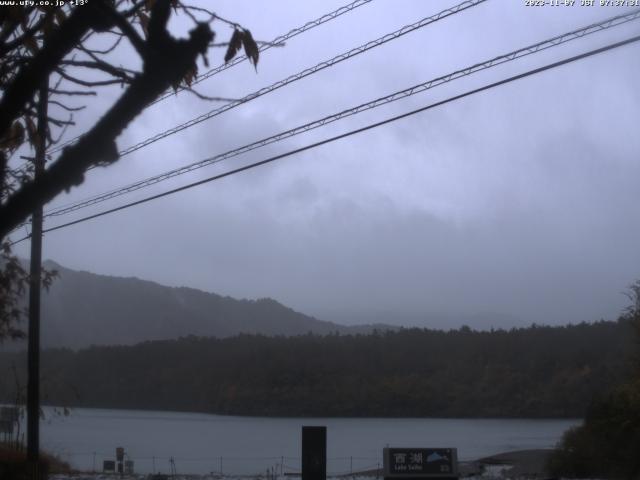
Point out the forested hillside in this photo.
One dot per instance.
(82, 309)
(533, 372)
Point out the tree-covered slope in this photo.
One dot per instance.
(83, 309)
(533, 372)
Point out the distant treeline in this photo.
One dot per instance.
(529, 372)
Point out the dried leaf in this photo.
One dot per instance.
(191, 75)
(251, 48)
(14, 137)
(235, 44)
(16, 13)
(18, 132)
(32, 45)
(24, 20)
(60, 15)
(144, 22)
(31, 127)
(48, 26)
(32, 131)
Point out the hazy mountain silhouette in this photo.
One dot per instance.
(83, 309)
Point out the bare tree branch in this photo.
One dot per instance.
(106, 50)
(87, 83)
(29, 33)
(59, 123)
(94, 56)
(66, 107)
(165, 64)
(61, 42)
(127, 29)
(103, 66)
(207, 98)
(73, 92)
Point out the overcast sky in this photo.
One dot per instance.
(512, 206)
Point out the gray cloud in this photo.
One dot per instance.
(518, 203)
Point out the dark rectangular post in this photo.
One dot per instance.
(314, 453)
(35, 272)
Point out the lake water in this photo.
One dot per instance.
(201, 443)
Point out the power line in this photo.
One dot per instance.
(419, 88)
(305, 73)
(352, 132)
(276, 41)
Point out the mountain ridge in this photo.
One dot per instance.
(82, 308)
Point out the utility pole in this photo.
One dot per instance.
(33, 361)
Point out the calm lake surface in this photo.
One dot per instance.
(201, 443)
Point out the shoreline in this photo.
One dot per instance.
(151, 411)
(517, 464)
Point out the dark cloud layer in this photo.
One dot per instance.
(517, 205)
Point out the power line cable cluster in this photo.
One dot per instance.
(297, 76)
(490, 86)
(419, 88)
(323, 19)
(560, 39)
(279, 40)
(275, 42)
(306, 72)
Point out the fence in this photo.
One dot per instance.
(269, 467)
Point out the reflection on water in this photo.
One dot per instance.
(201, 443)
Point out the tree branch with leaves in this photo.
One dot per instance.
(67, 45)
